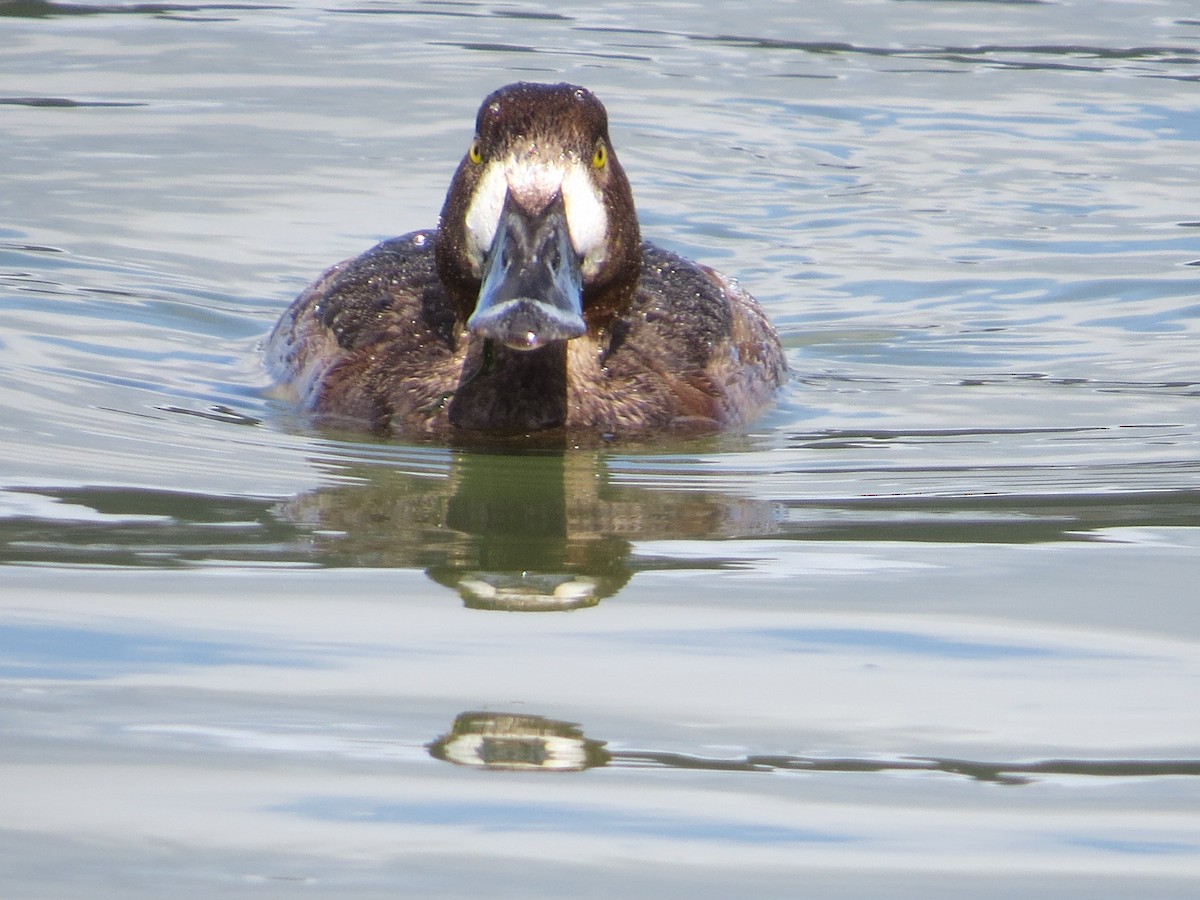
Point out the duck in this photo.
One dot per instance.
(533, 308)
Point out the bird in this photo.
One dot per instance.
(533, 309)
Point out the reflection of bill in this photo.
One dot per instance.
(520, 742)
(514, 742)
(528, 592)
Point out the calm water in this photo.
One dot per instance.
(928, 630)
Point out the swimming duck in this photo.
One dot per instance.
(534, 307)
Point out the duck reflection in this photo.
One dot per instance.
(524, 742)
(528, 531)
(517, 742)
(520, 532)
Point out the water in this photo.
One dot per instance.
(928, 629)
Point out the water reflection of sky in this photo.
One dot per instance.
(1136, 848)
(823, 640)
(73, 653)
(564, 819)
(867, 644)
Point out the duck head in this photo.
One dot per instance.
(538, 240)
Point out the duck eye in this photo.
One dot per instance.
(475, 154)
(600, 157)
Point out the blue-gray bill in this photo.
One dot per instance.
(532, 292)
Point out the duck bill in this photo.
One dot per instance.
(532, 292)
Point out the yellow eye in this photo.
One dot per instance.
(475, 154)
(600, 157)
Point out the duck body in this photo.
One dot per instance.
(534, 308)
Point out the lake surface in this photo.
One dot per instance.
(928, 629)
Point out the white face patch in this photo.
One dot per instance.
(483, 214)
(587, 218)
(537, 182)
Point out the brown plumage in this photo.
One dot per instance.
(534, 308)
